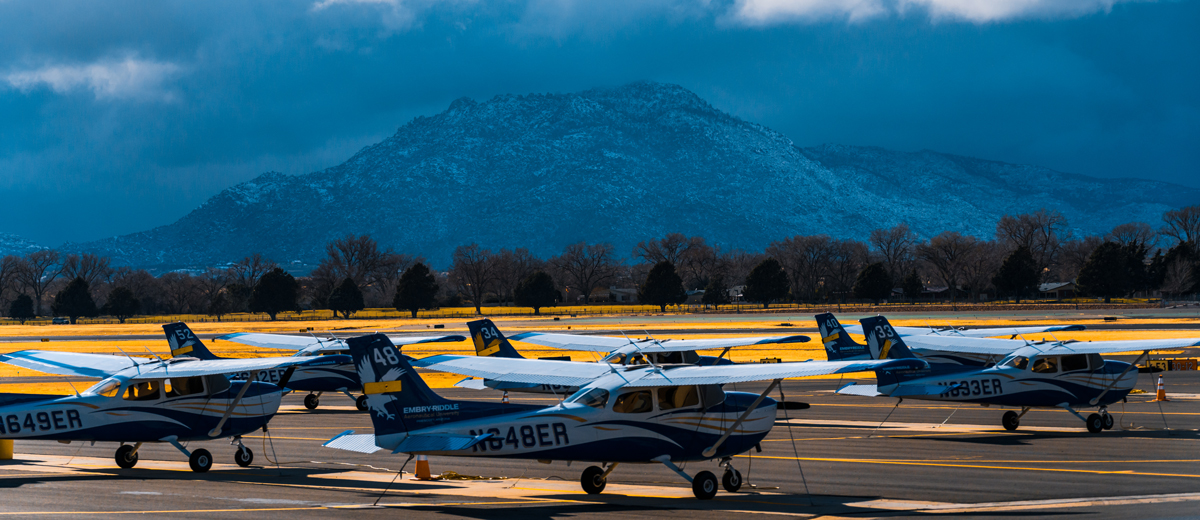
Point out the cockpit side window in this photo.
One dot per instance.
(638, 401)
(181, 386)
(711, 395)
(1017, 362)
(595, 398)
(143, 391)
(1096, 361)
(673, 397)
(217, 384)
(1046, 365)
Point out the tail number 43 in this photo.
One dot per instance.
(386, 356)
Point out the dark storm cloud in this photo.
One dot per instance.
(124, 116)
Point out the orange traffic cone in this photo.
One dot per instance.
(1162, 390)
(423, 468)
(505, 398)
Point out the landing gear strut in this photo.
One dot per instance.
(732, 479)
(1011, 420)
(243, 456)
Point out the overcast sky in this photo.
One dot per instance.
(121, 116)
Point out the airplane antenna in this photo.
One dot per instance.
(131, 360)
(72, 387)
(160, 360)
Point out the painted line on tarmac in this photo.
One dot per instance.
(979, 466)
(1038, 409)
(161, 511)
(1064, 502)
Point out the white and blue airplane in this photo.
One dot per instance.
(142, 400)
(337, 374)
(1065, 375)
(489, 341)
(621, 413)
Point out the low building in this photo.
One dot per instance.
(1058, 290)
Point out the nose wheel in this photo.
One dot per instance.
(311, 401)
(361, 403)
(127, 456)
(593, 480)
(243, 456)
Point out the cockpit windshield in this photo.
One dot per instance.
(595, 397)
(1018, 362)
(106, 388)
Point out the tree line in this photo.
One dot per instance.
(356, 273)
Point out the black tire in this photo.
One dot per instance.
(126, 458)
(361, 403)
(1109, 422)
(200, 461)
(311, 401)
(1095, 423)
(731, 480)
(1010, 420)
(704, 486)
(243, 457)
(593, 480)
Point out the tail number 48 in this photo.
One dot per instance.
(386, 356)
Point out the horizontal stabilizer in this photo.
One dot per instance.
(857, 389)
(350, 441)
(471, 383)
(438, 442)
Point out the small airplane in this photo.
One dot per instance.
(839, 346)
(489, 341)
(1066, 375)
(142, 400)
(337, 375)
(621, 413)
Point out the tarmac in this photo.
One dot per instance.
(848, 457)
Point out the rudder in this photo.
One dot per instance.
(184, 343)
(838, 345)
(489, 341)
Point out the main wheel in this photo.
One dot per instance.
(126, 457)
(1010, 420)
(731, 480)
(704, 486)
(243, 457)
(311, 401)
(200, 461)
(593, 480)
(1109, 422)
(361, 403)
(1095, 423)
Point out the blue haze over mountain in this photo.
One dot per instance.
(618, 165)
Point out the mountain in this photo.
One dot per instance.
(11, 244)
(618, 165)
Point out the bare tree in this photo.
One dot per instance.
(1137, 234)
(947, 255)
(1178, 278)
(1183, 224)
(250, 269)
(585, 267)
(37, 271)
(180, 293)
(806, 261)
(211, 282)
(669, 248)
(89, 266)
(1073, 254)
(846, 259)
(980, 266)
(145, 287)
(1042, 232)
(9, 267)
(895, 245)
(474, 271)
(512, 266)
(381, 284)
(697, 264)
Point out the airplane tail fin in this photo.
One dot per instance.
(883, 342)
(184, 343)
(398, 399)
(838, 345)
(489, 341)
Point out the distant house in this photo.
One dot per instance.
(695, 297)
(622, 294)
(1058, 290)
(735, 293)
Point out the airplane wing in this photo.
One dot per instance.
(972, 333)
(608, 343)
(365, 443)
(1113, 347)
(725, 374)
(988, 346)
(187, 367)
(513, 370)
(72, 363)
(899, 391)
(290, 342)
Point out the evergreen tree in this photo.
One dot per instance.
(416, 290)
(767, 282)
(1106, 272)
(220, 305)
(122, 304)
(1018, 274)
(663, 287)
(716, 293)
(873, 283)
(912, 286)
(537, 291)
(276, 292)
(21, 308)
(347, 299)
(75, 301)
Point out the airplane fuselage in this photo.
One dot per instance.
(1011, 386)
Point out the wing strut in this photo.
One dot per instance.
(1118, 379)
(229, 411)
(711, 450)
